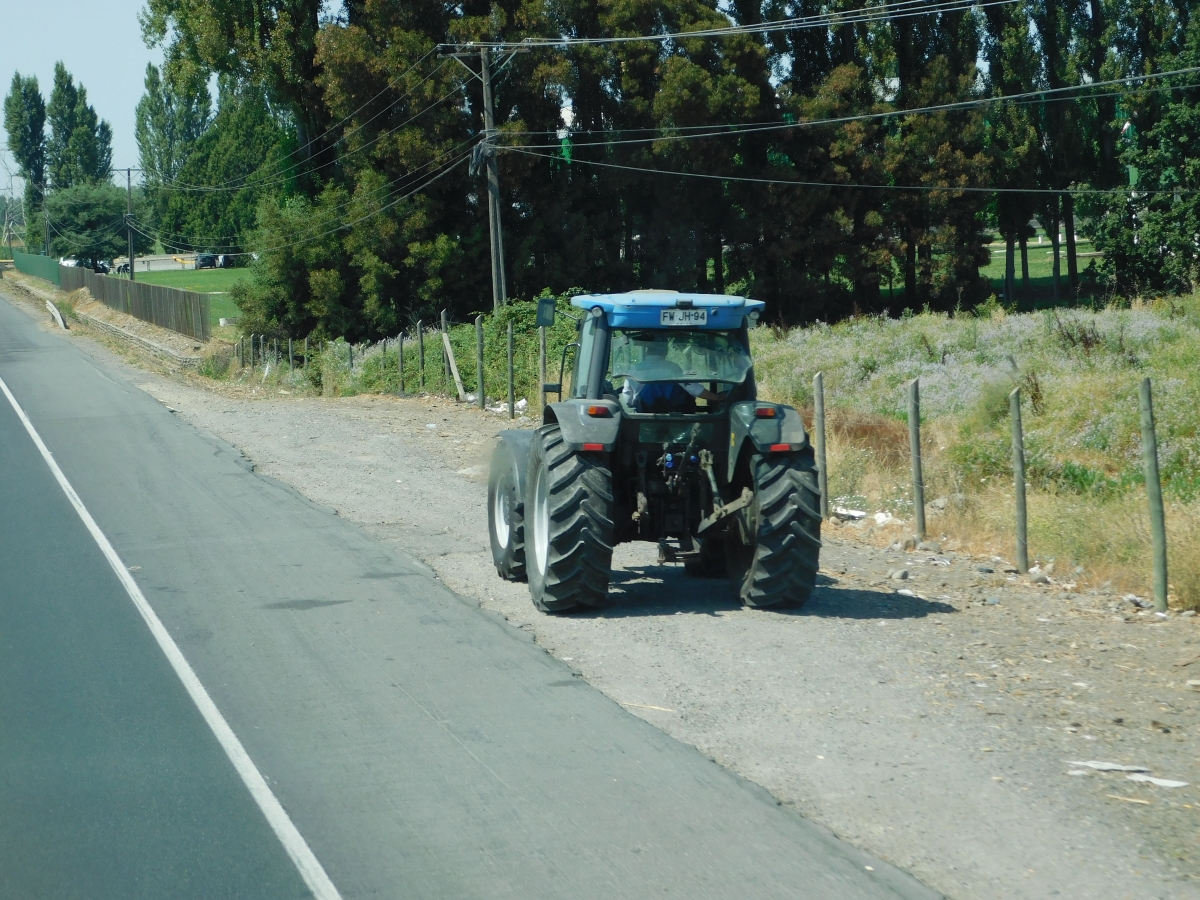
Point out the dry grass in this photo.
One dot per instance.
(1078, 371)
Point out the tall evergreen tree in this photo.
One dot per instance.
(170, 118)
(230, 168)
(79, 149)
(25, 123)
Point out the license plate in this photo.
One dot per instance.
(683, 317)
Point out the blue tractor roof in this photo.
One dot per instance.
(642, 309)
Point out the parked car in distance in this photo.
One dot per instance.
(206, 261)
(99, 266)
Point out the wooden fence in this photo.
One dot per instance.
(182, 311)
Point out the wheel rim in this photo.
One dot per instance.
(501, 509)
(541, 524)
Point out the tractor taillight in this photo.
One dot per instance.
(593, 447)
(781, 448)
(764, 412)
(600, 412)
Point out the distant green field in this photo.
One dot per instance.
(1041, 269)
(203, 281)
(214, 282)
(220, 306)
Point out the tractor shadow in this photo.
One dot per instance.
(641, 589)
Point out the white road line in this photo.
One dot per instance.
(297, 848)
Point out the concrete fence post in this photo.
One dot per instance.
(1158, 523)
(1018, 449)
(479, 385)
(512, 400)
(914, 443)
(291, 357)
(819, 440)
(420, 356)
(400, 360)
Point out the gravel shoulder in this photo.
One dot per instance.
(934, 728)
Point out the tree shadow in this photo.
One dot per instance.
(664, 590)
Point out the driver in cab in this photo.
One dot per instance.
(658, 392)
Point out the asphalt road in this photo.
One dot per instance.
(422, 747)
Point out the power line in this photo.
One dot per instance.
(461, 158)
(328, 131)
(184, 187)
(382, 192)
(919, 188)
(902, 10)
(1027, 97)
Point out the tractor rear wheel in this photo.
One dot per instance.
(506, 522)
(569, 524)
(773, 551)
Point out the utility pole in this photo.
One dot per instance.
(129, 216)
(499, 291)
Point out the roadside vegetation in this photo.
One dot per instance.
(341, 369)
(1078, 371)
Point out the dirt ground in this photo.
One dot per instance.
(935, 720)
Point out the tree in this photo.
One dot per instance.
(87, 221)
(25, 122)
(229, 169)
(1013, 144)
(80, 145)
(170, 118)
(1148, 233)
(271, 45)
(937, 228)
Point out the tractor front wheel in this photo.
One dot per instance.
(506, 523)
(568, 525)
(773, 550)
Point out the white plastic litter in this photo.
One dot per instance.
(1106, 766)
(883, 518)
(1160, 782)
(842, 513)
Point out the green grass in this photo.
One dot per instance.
(221, 306)
(203, 281)
(1041, 272)
(215, 282)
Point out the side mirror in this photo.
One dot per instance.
(545, 311)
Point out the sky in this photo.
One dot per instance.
(100, 44)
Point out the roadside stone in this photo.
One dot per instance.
(1039, 578)
(910, 543)
(1011, 570)
(940, 503)
(931, 546)
(992, 601)
(1187, 612)
(898, 575)
(986, 570)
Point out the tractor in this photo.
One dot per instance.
(660, 437)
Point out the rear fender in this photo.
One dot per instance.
(766, 435)
(578, 427)
(518, 444)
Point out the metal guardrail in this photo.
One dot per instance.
(186, 312)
